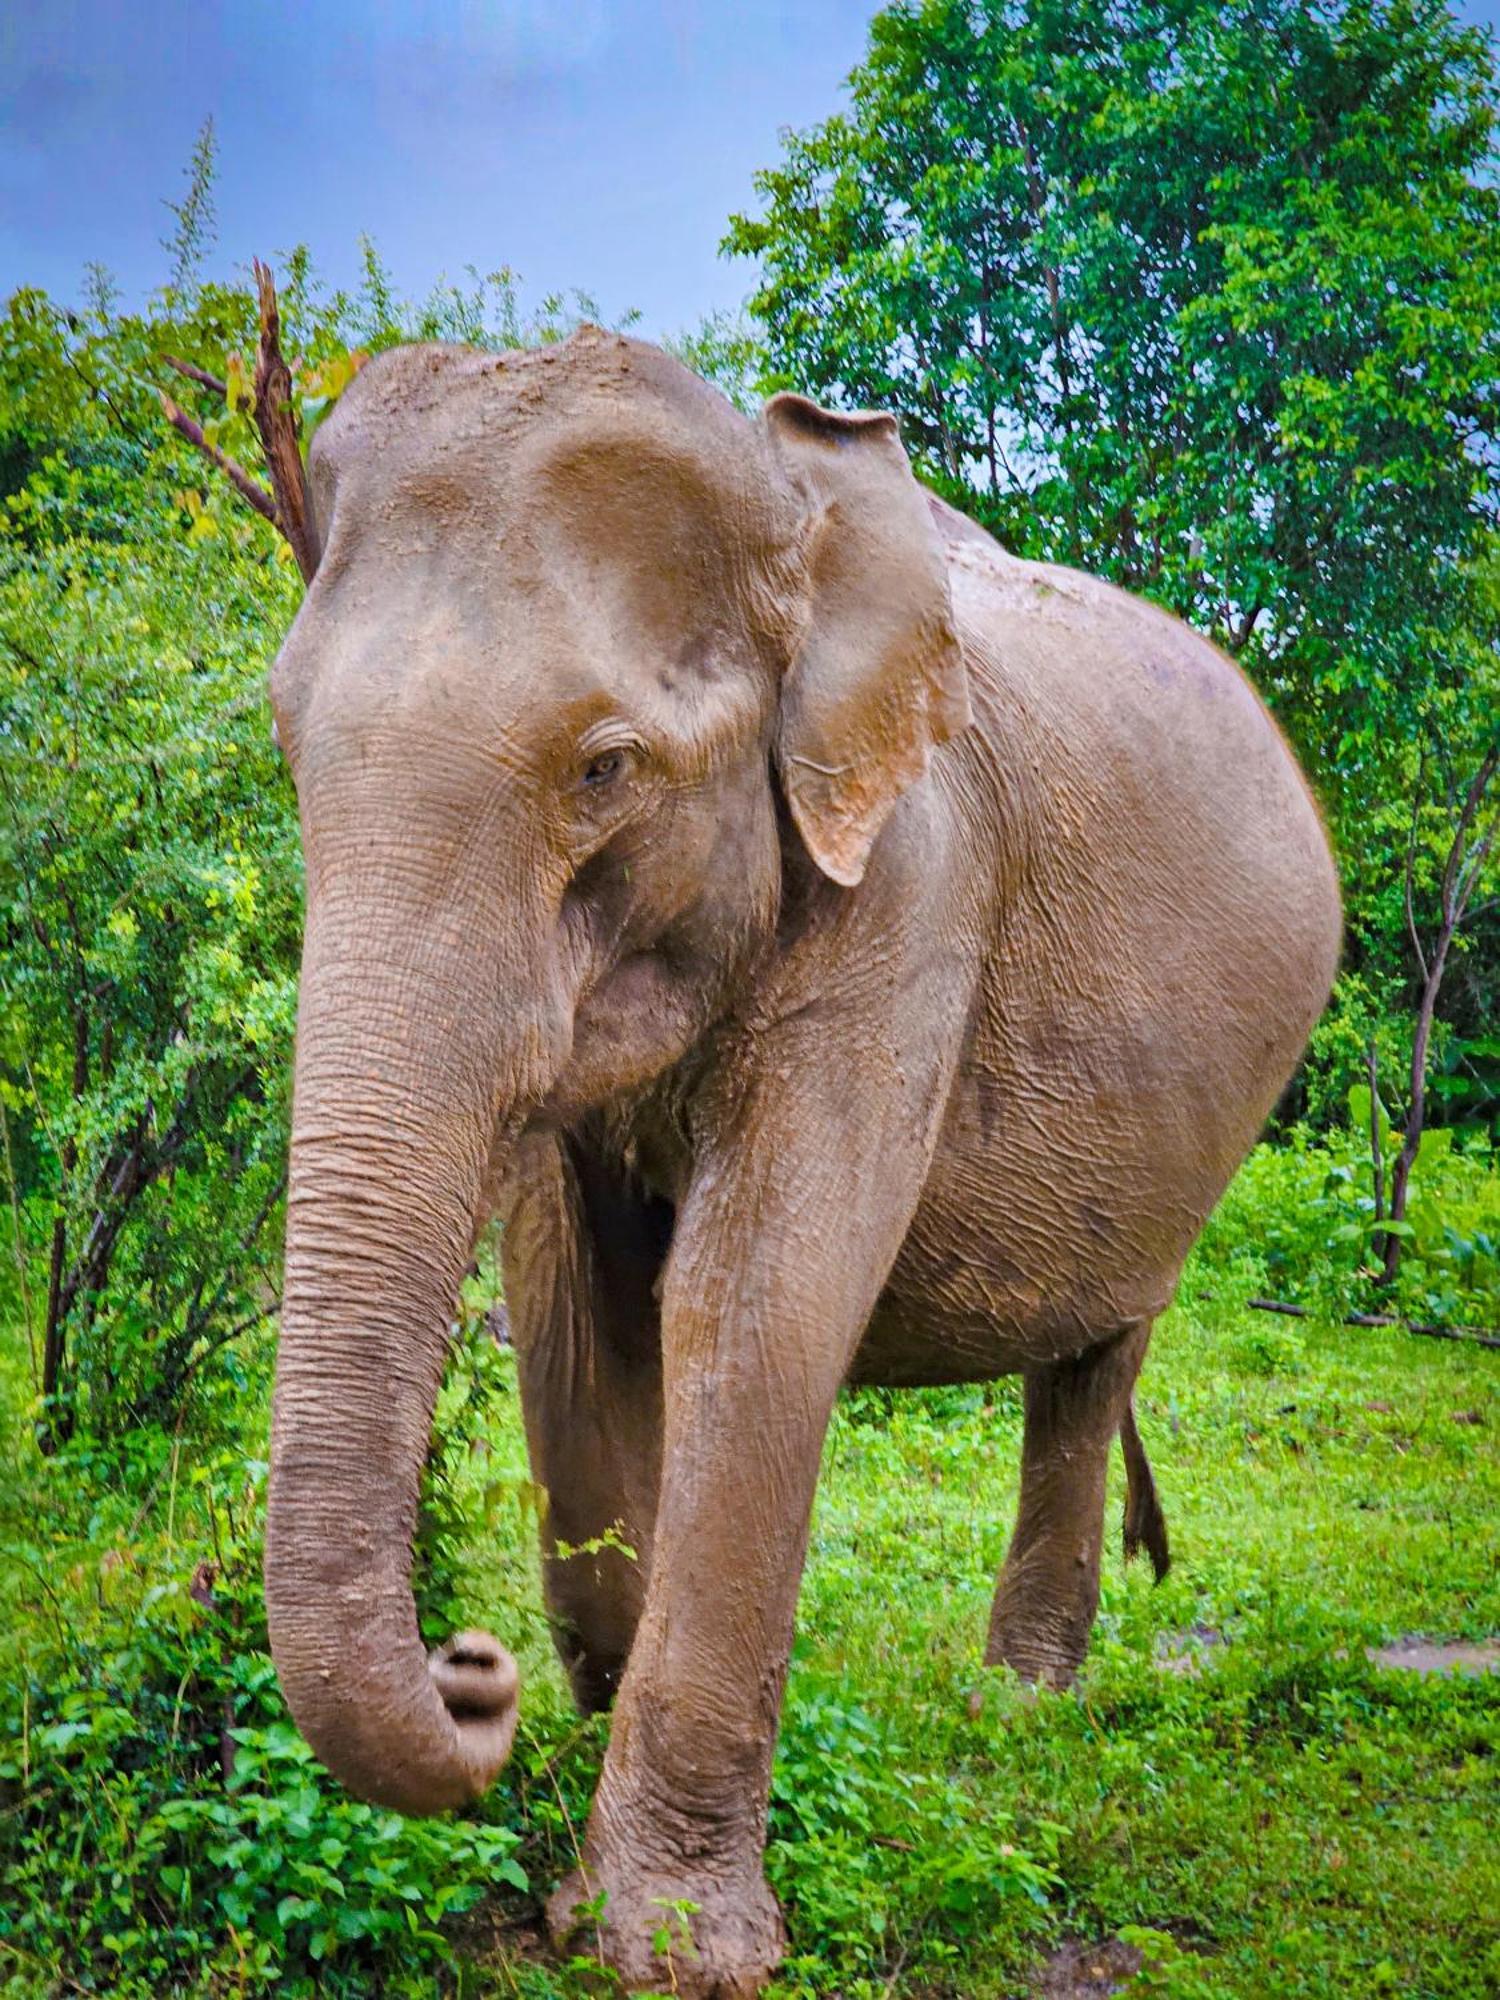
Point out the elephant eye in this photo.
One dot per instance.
(604, 769)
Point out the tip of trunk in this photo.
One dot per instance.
(418, 1734)
(475, 1676)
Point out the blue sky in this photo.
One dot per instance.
(599, 143)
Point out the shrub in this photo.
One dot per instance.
(1299, 1220)
(149, 899)
(163, 1827)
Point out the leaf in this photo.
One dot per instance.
(1359, 1114)
(239, 394)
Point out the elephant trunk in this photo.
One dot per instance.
(397, 1108)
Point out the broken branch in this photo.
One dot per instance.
(278, 425)
(1473, 1335)
(196, 374)
(277, 420)
(249, 489)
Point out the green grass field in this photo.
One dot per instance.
(1288, 1820)
(1318, 1826)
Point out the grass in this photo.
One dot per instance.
(1319, 1826)
(1289, 1821)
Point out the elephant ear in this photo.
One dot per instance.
(878, 679)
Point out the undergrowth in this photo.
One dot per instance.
(1289, 1820)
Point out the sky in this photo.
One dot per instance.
(592, 143)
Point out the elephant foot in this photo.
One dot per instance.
(1058, 1675)
(1016, 1643)
(694, 1934)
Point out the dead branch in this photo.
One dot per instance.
(249, 489)
(1473, 1336)
(279, 424)
(199, 375)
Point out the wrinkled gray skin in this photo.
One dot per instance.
(838, 950)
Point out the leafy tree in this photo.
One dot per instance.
(723, 349)
(1203, 295)
(149, 871)
(149, 886)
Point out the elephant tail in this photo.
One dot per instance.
(1145, 1523)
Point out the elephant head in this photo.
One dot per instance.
(576, 630)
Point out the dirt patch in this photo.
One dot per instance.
(1416, 1655)
(494, 1932)
(1187, 1652)
(1087, 1971)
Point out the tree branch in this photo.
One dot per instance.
(1473, 1335)
(277, 420)
(196, 374)
(1409, 875)
(248, 489)
(1474, 798)
(279, 428)
(1457, 887)
(1377, 1155)
(200, 1316)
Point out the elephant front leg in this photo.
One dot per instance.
(1048, 1591)
(773, 1275)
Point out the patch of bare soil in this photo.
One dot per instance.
(1186, 1652)
(1416, 1655)
(1189, 1651)
(1087, 1971)
(495, 1931)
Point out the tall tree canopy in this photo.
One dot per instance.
(1203, 295)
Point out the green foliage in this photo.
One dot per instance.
(150, 876)
(724, 350)
(1191, 290)
(1299, 1223)
(1204, 298)
(468, 1498)
(1254, 1827)
(166, 1827)
(308, 1872)
(1265, 1816)
(870, 1857)
(1166, 1970)
(488, 310)
(149, 897)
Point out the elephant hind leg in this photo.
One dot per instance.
(1049, 1586)
(1145, 1523)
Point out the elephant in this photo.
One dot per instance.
(837, 950)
